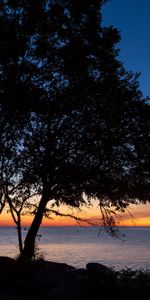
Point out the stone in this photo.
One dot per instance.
(7, 268)
(71, 276)
(6, 262)
(56, 267)
(43, 281)
(66, 292)
(99, 270)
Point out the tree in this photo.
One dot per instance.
(22, 73)
(89, 135)
(15, 190)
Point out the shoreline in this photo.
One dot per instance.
(43, 280)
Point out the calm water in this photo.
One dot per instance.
(77, 246)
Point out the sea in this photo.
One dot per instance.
(79, 245)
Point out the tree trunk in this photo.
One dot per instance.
(29, 243)
(19, 234)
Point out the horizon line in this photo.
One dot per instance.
(117, 226)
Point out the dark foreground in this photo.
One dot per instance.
(46, 280)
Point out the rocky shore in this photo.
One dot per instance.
(45, 280)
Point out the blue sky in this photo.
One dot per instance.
(132, 18)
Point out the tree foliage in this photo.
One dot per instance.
(80, 122)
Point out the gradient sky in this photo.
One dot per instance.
(136, 215)
(132, 18)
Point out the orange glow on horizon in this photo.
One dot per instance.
(140, 213)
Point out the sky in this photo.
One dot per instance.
(136, 215)
(132, 18)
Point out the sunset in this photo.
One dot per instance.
(135, 216)
(74, 150)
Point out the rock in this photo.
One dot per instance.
(55, 267)
(71, 276)
(50, 266)
(25, 269)
(66, 292)
(43, 281)
(7, 268)
(93, 288)
(46, 280)
(6, 263)
(23, 288)
(99, 270)
(50, 275)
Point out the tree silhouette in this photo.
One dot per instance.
(84, 120)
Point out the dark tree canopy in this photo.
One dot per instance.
(82, 124)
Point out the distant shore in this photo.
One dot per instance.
(45, 280)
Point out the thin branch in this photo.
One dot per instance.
(12, 209)
(78, 219)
